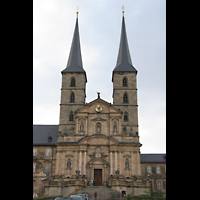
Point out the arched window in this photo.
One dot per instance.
(72, 97)
(125, 116)
(125, 82)
(71, 116)
(73, 82)
(125, 98)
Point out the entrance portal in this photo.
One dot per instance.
(98, 176)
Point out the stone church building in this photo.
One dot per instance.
(96, 140)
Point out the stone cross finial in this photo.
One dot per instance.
(98, 93)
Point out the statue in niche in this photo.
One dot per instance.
(98, 127)
(115, 127)
(98, 152)
(127, 164)
(71, 131)
(81, 127)
(124, 129)
(69, 164)
(131, 133)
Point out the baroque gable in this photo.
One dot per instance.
(92, 108)
(98, 140)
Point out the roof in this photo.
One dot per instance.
(124, 63)
(74, 63)
(42, 132)
(154, 158)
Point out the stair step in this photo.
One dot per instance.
(103, 193)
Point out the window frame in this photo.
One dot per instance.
(46, 169)
(34, 152)
(158, 169)
(125, 98)
(149, 169)
(125, 82)
(48, 152)
(159, 184)
(34, 166)
(71, 116)
(72, 98)
(126, 115)
(73, 82)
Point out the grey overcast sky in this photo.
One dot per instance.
(100, 28)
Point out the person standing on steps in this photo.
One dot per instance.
(94, 182)
(95, 195)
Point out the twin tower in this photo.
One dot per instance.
(74, 81)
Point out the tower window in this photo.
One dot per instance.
(71, 116)
(72, 97)
(125, 98)
(126, 117)
(125, 82)
(73, 82)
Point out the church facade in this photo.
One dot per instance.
(97, 140)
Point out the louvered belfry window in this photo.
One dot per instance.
(72, 98)
(125, 98)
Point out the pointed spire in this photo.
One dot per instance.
(124, 63)
(74, 63)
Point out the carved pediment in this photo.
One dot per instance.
(98, 105)
(98, 139)
(98, 119)
(126, 156)
(69, 155)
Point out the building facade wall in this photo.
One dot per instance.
(154, 176)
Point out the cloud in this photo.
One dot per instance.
(100, 29)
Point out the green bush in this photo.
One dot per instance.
(48, 197)
(147, 196)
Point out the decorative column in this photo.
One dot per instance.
(110, 126)
(62, 162)
(57, 162)
(77, 128)
(76, 161)
(111, 163)
(120, 126)
(134, 162)
(138, 164)
(80, 162)
(132, 167)
(120, 158)
(84, 172)
(86, 124)
(115, 160)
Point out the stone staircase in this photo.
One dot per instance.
(103, 193)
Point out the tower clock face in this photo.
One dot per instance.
(98, 108)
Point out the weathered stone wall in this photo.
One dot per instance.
(65, 125)
(131, 107)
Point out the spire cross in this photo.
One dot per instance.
(77, 12)
(123, 10)
(98, 93)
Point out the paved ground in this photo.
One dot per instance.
(103, 193)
